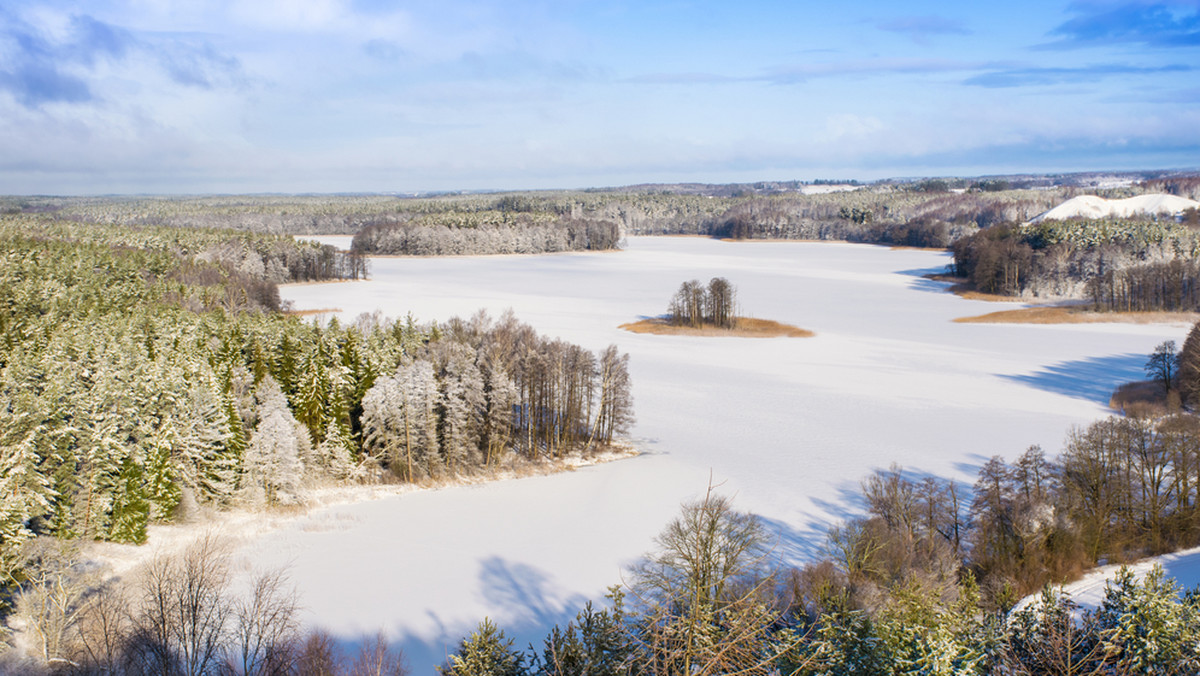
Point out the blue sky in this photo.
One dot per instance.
(154, 96)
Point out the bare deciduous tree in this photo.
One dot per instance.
(265, 626)
(182, 621)
(706, 600)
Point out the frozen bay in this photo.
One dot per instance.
(787, 425)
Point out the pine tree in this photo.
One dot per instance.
(272, 469)
(130, 510)
(1147, 626)
(162, 487)
(463, 406)
(207, 462)
(1188, 371)
(24, 490)
(311, 399)
(486, 652)
(501, 394)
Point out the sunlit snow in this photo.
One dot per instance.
(789, 426)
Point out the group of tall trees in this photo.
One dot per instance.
(696, 305)
(483, 391)
(709, 599)
(923, 583)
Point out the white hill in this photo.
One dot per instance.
(1091, 206)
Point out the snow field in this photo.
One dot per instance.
(1092, 206)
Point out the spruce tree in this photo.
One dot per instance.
(486, 652)
(131, 510)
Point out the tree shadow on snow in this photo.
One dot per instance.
(923, 283)
(529, 600)
(527, 593)
(1092, 379)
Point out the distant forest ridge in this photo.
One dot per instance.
(981, 218)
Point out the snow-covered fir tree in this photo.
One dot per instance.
(272, 471)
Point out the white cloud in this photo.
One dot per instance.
(851, 126)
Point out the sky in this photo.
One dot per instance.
(246, 96)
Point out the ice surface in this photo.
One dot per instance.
(789, 426)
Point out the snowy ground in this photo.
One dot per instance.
(789, 426)
(1091, 206)
(1089, 590)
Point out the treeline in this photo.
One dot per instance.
(922, 214)
(1119, 265)
(139, 385)
(923, 583)
(696, 305)
(1123, 488)
(482, 391)
(502, 236)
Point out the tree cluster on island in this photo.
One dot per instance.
(696, 305)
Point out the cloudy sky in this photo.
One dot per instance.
(156, 96)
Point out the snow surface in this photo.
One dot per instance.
(1091, 206)
(1088, 591)
(788, 426)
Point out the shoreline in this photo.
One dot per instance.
(240, 524)
(747, 327)
(1068, 314)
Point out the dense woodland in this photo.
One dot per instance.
(1120, 265)
(146, 375)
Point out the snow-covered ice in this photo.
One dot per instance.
(789, 426)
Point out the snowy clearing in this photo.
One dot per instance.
(788, 426)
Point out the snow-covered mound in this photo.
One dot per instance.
(1091, 206)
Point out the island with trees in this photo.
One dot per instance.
(697, 309)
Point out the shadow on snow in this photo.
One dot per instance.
(1093, 379)
(532, 602)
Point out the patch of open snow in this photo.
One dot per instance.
(1092, 206)
(789, 426)
(825, 188)
(1088, 591)
(339, 242)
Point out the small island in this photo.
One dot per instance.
(699, 310)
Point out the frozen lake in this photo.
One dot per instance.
(789, 426)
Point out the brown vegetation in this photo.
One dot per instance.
(1144, 399)
(309, 313)
(744, 327)
(1065, 314)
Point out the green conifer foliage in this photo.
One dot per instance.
(131, 510)
(486, 652)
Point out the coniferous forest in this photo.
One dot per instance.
(147, 375)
